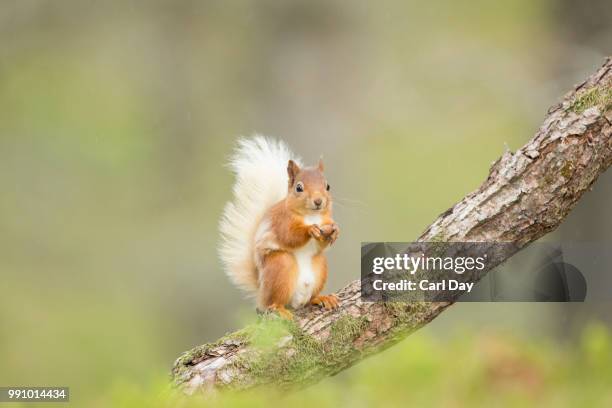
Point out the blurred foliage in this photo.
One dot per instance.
(116, 119)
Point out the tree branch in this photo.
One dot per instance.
(526, 195)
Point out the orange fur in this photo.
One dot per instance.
(320, 266)
(277, 279)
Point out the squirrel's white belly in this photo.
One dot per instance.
(306, 274)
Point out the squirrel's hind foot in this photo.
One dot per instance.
(327, 301)
(282, 311)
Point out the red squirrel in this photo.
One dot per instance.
(276, 229)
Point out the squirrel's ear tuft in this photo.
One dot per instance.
(292, 170)
(320, 166)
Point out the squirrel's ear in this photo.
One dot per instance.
(320, 166)
(292, 171)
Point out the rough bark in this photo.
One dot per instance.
(526, 195)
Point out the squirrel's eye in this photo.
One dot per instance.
(328, 187)
(299, 187)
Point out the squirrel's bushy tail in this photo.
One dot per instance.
(260, 167)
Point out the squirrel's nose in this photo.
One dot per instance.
(318, 202)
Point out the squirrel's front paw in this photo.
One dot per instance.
(330, 232)
(334, 234)
(316, 232)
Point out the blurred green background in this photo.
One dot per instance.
(116, 119)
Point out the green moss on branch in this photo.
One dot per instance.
(597, 96)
